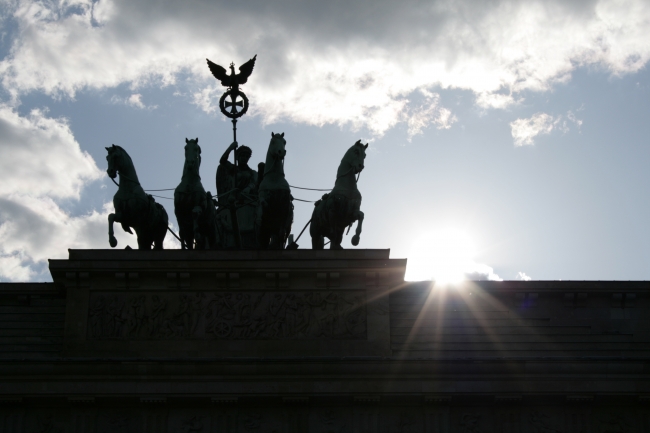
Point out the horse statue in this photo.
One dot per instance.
(274, 206)
(340, 207)
(194, 208)
(133, 208)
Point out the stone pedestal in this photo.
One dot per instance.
(315, 341)
(217, 304)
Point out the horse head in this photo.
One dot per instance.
(192, 155)
(276, 151)
(353, 159)
(277, 144)
(114, 159)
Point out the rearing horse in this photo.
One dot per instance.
(340, 207)
(274, 205)
(134, 208)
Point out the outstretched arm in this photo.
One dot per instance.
(226, 154)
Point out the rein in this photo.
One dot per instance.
(127, 178)
(268, 170)
(348, 172)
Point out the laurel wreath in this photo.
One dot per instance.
(235, 93)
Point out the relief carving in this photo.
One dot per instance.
(404, 424)
(252, 422)
(191, 425)
(541, 423)
(469, 423)
(613, 423)
(115, 423)
(330, 423)
(271, 315)
(46, 424)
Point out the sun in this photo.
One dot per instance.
(444, 256)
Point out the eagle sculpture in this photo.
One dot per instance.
(233, 80)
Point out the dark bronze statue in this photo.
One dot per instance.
(340, 208)
(133, 208)
(193, 206)
(237, 191)
(274, 207)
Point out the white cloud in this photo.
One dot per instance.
(525, 130)
(38, 229)
(40, 157)
(521, 276)
(572, 117)
(40, 163)
(482, 272)
(12, 268)
(134, 100)
(324, 62)
(430, 112)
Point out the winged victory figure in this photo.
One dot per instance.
(233, 80)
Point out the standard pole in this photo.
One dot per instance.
(233, 207)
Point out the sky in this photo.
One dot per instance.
(507, 139)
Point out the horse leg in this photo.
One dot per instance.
(114, 217)
(281, 231)
(359, 217)
(264, 238)
(286, 225)
(185, 233)
(196, 224)
(158, 241)
(159, 236)
(335, 241)
(144, 239)
(317, 239)
(336, 231)
(161, 226)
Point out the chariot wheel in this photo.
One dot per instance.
(222, 329)
(233, 103)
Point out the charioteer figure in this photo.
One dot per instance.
(240, 177)
(237, 189)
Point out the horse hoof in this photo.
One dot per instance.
(355, 240)
(112, 241)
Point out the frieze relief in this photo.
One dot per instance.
(541, 422)
(315, 419)
(269, 315)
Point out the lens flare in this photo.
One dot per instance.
(444, 256)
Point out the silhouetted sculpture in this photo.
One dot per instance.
(237, 190)
(233, 80)
(339, 208)
(275, 207)
(134, 208)
(194, 208)
(237, 105)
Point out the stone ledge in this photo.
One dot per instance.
(196, 255)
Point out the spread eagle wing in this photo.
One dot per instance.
(245, 70)
(220, 73)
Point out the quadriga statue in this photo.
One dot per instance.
(194, 208)
(133, 208)
(340, 208)
(275, 203)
